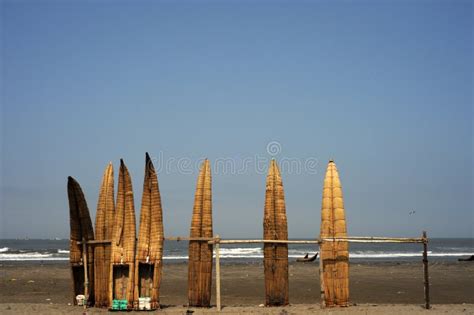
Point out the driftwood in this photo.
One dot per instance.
(335, 254)
(103, 231)
(200, 253)
(123, 242)
(148, 262)
(81, 257)
(275, 227)
(307, 259)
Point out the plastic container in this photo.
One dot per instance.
(80, 299)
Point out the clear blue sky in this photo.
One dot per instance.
(383, 87)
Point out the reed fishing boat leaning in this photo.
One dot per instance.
(200, 252)
(104, 221)
(81, 255)
(148, 260)
(122, 265)
(334, 254)
(275, 228)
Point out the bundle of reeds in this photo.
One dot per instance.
(335, 255)
(148, 262)
(81, 255)
(123, 242)
(200, 253)
(275, 228)
(104, 221)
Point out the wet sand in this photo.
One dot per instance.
(46, 289)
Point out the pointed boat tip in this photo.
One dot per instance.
(121, 162)
(147, 156)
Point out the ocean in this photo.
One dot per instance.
(447, 249)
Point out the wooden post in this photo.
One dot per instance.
(321, 279)
(425, 271)
(86, 278)
(218, 275)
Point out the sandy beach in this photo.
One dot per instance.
(375, 288)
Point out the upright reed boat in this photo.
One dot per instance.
(335, 254)
(104, 221)
(275, 228)
(122, 264)
(200, 252)
(148, 261)
(81, 256)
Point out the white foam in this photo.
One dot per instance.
(63, 251)
(4, 249)
(175, 257)
(29, 257)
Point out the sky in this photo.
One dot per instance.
(382, 87)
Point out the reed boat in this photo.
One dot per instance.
(148, 259)
(275, 228)
(200, 252)
(81, 256)
(104, 221)
(122, 264)
(334, 255)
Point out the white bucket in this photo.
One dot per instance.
(80, 299)
(147, 303)
(141, 303)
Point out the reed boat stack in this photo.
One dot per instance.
(200, 253)
(334, 254)
(81, 255)
(148, 261)
(275, 228)
(122, 266)
(103, 231)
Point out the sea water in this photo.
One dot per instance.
(448, 249)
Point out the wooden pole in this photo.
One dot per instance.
(218, 274)
(321, 280)
(86, 278)
(425, 271)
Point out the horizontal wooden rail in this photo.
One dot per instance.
(95, 242)
(352, 239)
(221, 241)
(374, 240)
(181, 238)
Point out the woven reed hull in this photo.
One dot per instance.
(103, 231)
(275, 227)
(335, 255)
(200, 253)
(81, 228)
(123, 242)
(148, 262)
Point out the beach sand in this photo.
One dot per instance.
(376, 288)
